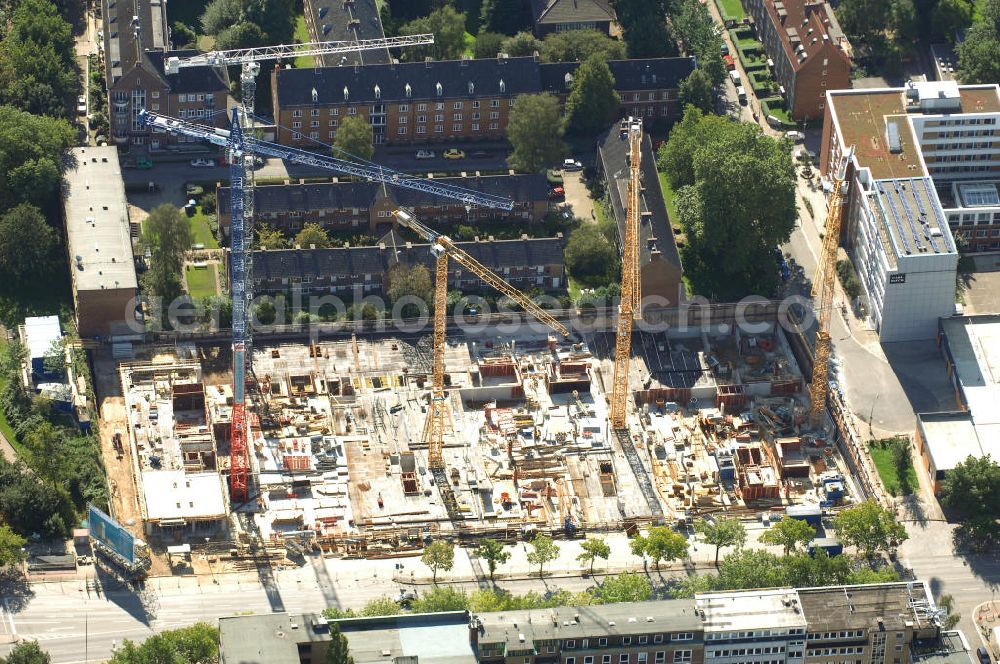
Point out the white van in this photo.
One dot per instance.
(735, 75)
(741, 94)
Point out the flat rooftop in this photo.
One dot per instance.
(950, 438)
(857, 607)
(97, 227)
(582, 621)
(862, 118)
(271, 638)
(176, 495)
(428, 638)
(913, 217)
(974, 344)
(949, 648)
(752, 609)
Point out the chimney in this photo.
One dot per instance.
(427, 61)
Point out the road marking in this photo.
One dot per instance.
(10, 616)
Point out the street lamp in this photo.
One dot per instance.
(871, 414)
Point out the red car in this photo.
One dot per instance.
(730, 63)
(557, 192)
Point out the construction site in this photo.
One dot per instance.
(340, 463)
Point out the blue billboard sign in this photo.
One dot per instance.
(111, 534)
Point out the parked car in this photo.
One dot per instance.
(741, 94)
(201, 162)
(557, 193)
(984, 657)
(425, 154)
(725, 48)
(453, 153)
(795, 135)
(81, 105)
(735, 75)
(730, 63)
(572, 165)
(143, 163)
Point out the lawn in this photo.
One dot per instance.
(201, 232)
(200, 280)
(668, 197)
(302, 37)
(882, 455)
(732, 9)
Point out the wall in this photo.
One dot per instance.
(98, 312)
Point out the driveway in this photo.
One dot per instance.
(578, 197)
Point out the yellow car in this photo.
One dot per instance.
(453, 153)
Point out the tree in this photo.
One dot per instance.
(244, 34)
(522, 44)
(381, 606)
(579, 45)
(410, 280)
(864, 19)
(535, 130)
(448, 28)
(698, 35)
(722, 532)
(196, 644)
(543, 550)
(270, 238)
(662, 543)
(354, 139)
(869, 527)
(952, 617)
(590, 258)
(312, 234)
(979, 55)
(11, 545)
(644, 27)
(789, 533)
(494, 553)
(28, 251)
(37, 60)
(749, 568)
(276, 18)
(697, 90)
(30, 159)
(183, 36)
(626, 587)
(505, 16)
(54, 360)
(439, 555)
(219, 15)
(740, 203)
(948, 18)
(26, 652)
(167, 236)
(972, 487)
(437, 599)
(593, 548)
(488, 44)
(338, 651)
(593, 102)
(803, 570)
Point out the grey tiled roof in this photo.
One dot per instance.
(342, 195)
(611, 153)
(336, 20)
(550, 12)
(189, 79)
(519, 75)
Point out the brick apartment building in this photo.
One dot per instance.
(809, 50)
(525, 263)
(466, 99)
(366, 207)
(136, 44)
(893, 623)
(923, 182)
(551, 16)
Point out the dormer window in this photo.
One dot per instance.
(378, 92)
(503, 87)
(409, 90)
(440, 89)
(346, 93)
(472, 88)
(315, 95)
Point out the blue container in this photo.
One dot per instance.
(832, 546)
(811, 514)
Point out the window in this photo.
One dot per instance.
(331, 134)
(421, 118)
(494, 103)
(314, 112)
(439, 117)
(493, 125)
(475, 126)
(421, 107)
(334, 111)
(155, 94)
(606, 659)
(421, 130)
(296, 135)
(295, 114)
(626, 640)
(682, 655)
(623, 658)
(603, 641)
(682, 636)
(332, 123)
(403, 120)
(457, 117)
(156, 107)
(314, 124)
(643, 657)
(475, 116)
(352, 110)
(571, 660)
(585, 643)
(457, 105)
(661, 656)
(403, 108)
(643, 640)
(494, 115)
(589, 659)
(569, 645)
(475, 104)
(456, 127)
(201, 97)
(439, 106)
(401, 131)
(657, 638)
(314, 135)
(296, 125)
(438, 129)
(184, 98)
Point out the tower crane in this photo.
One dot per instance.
(437, 417)
(629, 309)
(240, 147)
(823, 291)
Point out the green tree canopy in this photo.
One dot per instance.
(10, 546)
(579, 45)
(948, 18)
(696, 90)
(644, 24)
(494, 553)
(660, 543)
(789, 533)
(521, 44)
(26, 652)
(439, 555)
(38, 70)
(413, 280)
(197, 644)
(505, 16)
(488, 44)
(869, 527)
(972, 488)
(698, 35)
(338, 651)
(593, 102)
(31, 149)
(448, 28)
(722, 532)
(312, 234)
(271, 238)
(243, 34)
(626, 587)
(735, 200)
(167, 236)
(593, 548)
(535, 131)
(29, 252)
(381, 606)
(183, 36)
(354, 139)
(219, 15)
(590, 258)
(543, 551)
(440, 598)
(979, 54)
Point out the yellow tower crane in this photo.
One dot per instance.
(823, 290)
(442, 247)
(629, 309)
